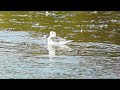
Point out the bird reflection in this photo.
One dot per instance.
(52, 52)
(53, 48)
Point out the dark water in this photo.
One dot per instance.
(94, 52)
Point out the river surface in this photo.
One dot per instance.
(94, 52)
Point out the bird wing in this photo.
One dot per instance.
(58, 39)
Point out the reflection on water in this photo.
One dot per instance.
(94, 52)
(52, 52)
(53, 48)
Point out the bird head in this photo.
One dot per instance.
(52, 33)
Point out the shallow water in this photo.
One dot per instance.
(94, 52)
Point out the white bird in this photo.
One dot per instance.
(56, 44)
(53, 40)
(49, 14)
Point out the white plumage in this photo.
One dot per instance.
(53, 40)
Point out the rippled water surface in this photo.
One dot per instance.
(94, 52)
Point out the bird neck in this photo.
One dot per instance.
(49, 39)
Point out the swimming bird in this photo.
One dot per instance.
(49, 14)
(54, 40)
